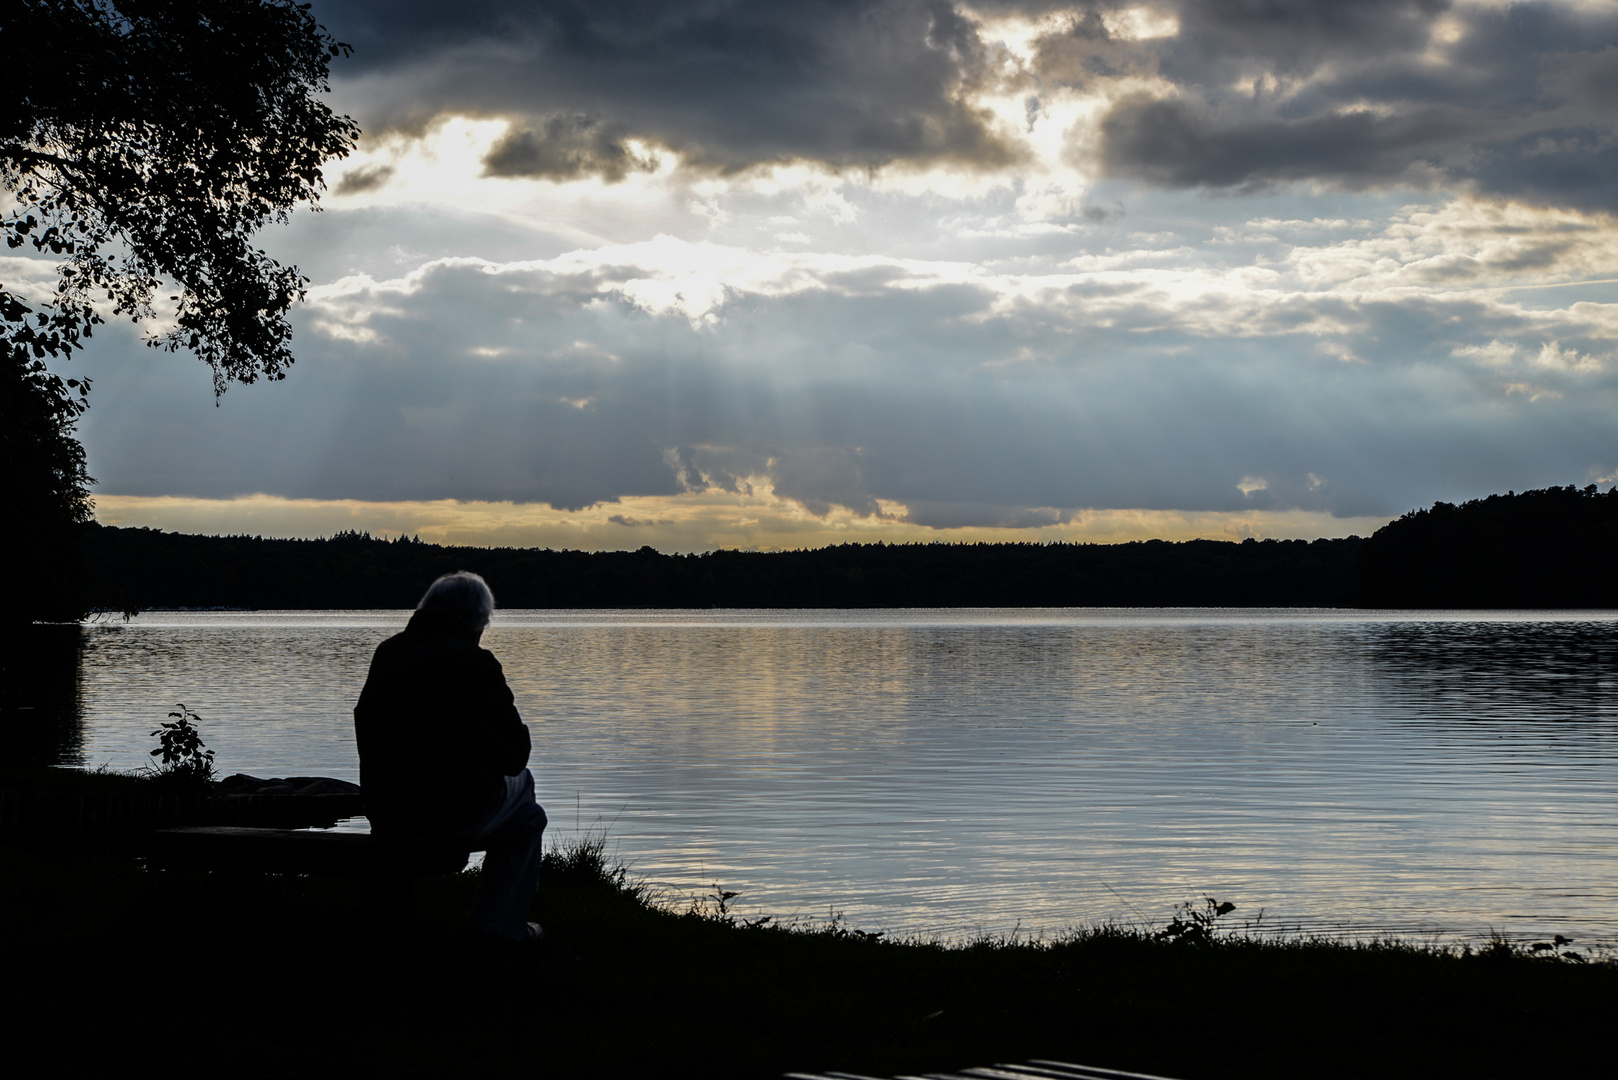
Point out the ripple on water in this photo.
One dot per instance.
(950, 772)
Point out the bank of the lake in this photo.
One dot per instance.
(108, 964)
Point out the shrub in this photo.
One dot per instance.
(184, 760)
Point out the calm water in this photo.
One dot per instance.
(949, 772)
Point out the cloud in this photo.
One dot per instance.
(1510, 100)
(1515, 101)
(565, 148)
(366, 178)
(944, 393)
(823, 477)
(1177, 143)
(984, 515)
(725, 85)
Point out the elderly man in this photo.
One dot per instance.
(443, 752)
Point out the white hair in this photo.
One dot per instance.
(462, 596)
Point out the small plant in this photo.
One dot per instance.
(1194, 923)
(183, 758)
(836, 926)
(1501, 947)
(716, 906)
(1554, 950)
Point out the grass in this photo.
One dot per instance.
(106, 963)
(74, 781)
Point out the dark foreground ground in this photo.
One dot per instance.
(109, 969)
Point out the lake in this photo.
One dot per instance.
(954, 772)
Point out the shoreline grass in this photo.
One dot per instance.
(1190, 922)
(304, 975)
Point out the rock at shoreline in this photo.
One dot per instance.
(242, 784)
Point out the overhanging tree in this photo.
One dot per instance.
(143, 145)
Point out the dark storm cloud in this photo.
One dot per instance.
(1352, 92)
(1520, 103)
(564, 148)
(1176, 143)
(365, 178)
(727, 84)
(1221, 38)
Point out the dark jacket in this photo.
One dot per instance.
(437, 730)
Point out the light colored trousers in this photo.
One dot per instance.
(512, 839)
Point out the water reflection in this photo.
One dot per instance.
(1522, 670)
(951, 771)
(41, 696)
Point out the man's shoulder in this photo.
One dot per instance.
(414, 645)
(393, 641)
(398, 644)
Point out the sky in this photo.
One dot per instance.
(701, 274)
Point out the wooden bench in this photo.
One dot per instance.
(245, 851)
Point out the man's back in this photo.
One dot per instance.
(437, 730)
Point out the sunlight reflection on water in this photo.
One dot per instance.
(949, 772)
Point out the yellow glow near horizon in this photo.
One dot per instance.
(761, 521)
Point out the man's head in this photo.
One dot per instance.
(461, 599)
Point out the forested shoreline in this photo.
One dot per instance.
(145, 568)
(1548, 548)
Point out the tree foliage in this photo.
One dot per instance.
(47, 488)
(142, 145)
(148, 568)
(44, 465)
(147, 141)
(1550, 548)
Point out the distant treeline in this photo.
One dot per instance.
(1551, 548)
(146, 568)
(1548, 548)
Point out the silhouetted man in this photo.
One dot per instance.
(444, 753)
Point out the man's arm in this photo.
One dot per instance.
(507, 741)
